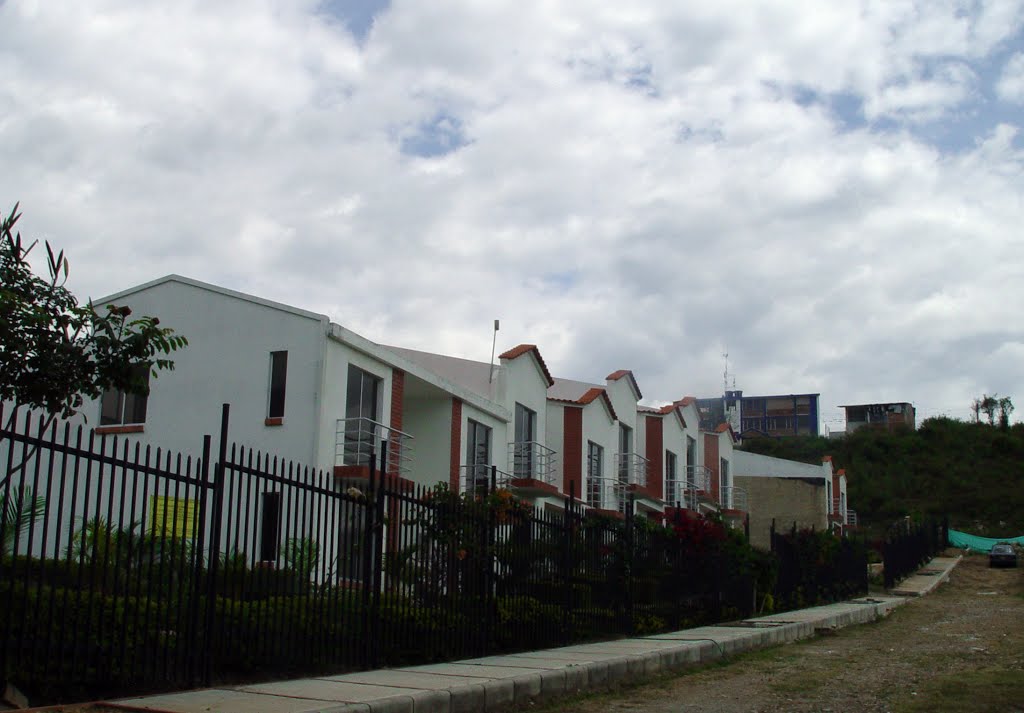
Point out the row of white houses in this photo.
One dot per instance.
(310, 391)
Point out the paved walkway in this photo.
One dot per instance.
(496, 682)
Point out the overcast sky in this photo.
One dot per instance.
(831, 191)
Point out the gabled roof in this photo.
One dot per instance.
(664, 411)
(217, 289)
(621, 373)
(587, 397)
(518, 351)
(686, 401)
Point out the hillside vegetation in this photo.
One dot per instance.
(973, 472)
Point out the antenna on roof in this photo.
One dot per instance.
(725, 374)
(494, 342)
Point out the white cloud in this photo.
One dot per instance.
(1011, 83)
(632, 186)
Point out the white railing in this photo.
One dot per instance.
(356, 440)
(688, 493)
(476, 479)
(632, 468)
(605, 493)
(851, 517)
(529, 459)
(733, 498)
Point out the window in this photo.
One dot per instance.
(625, 449)
(478, 457)
(278, 378)
(691, 461)
(724, 479)
(362, 406)
(671, 477)
(595, 474)
(120, 408)
(270, 527)
(523, 456)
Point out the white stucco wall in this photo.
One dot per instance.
(523, 382)
(674, 437)
(227, 360)
(554, 437)
(599, 427)
(499, 435)
(429, 420)
(338, 358)
(755, 464)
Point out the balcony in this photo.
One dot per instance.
(688, 493)
(357, 440)
(733, 498)
(606, 494)
(477, 479)
(632, 469)
(529, 460)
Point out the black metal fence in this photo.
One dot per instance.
(909, 544)
(816, 567)
(128, 570)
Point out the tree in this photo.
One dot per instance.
(989, 405)
(1005, 409)
(54, 352)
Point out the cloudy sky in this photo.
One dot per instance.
(832, 192)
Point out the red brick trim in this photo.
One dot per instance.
(572, 450)
(656, 456)
(275, 421)
(397, 394)
(117, 430)
(455, 458)
(533, 484)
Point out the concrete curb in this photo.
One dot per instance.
(927, 579)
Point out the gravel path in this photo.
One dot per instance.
(958, 649)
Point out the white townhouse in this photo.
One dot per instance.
(514, 448)
(300, 386)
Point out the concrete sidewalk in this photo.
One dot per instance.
(496, 682)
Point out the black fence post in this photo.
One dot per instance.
(377, 553)
(214, 550)
(198, 665)
(370, 626)
(627, 565)
(568, 523)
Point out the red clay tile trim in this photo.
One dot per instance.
(118, 430)
(275, 421)
(516, 352)
(616, 375)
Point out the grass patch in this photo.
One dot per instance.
(801, 682)
(968, 692)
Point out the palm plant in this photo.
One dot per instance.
(20, 509)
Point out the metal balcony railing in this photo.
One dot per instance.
(733, 498)
(632, 468)
(606, 493)
(529, 459)
(476, 479)
(357, 439)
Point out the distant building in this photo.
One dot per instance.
(891, 415)
(778, 416)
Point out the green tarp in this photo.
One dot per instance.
(979, 544)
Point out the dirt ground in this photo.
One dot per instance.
(958, 649)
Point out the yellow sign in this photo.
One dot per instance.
(173, 516)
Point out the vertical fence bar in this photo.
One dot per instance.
(214, 556)
(199, 661)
